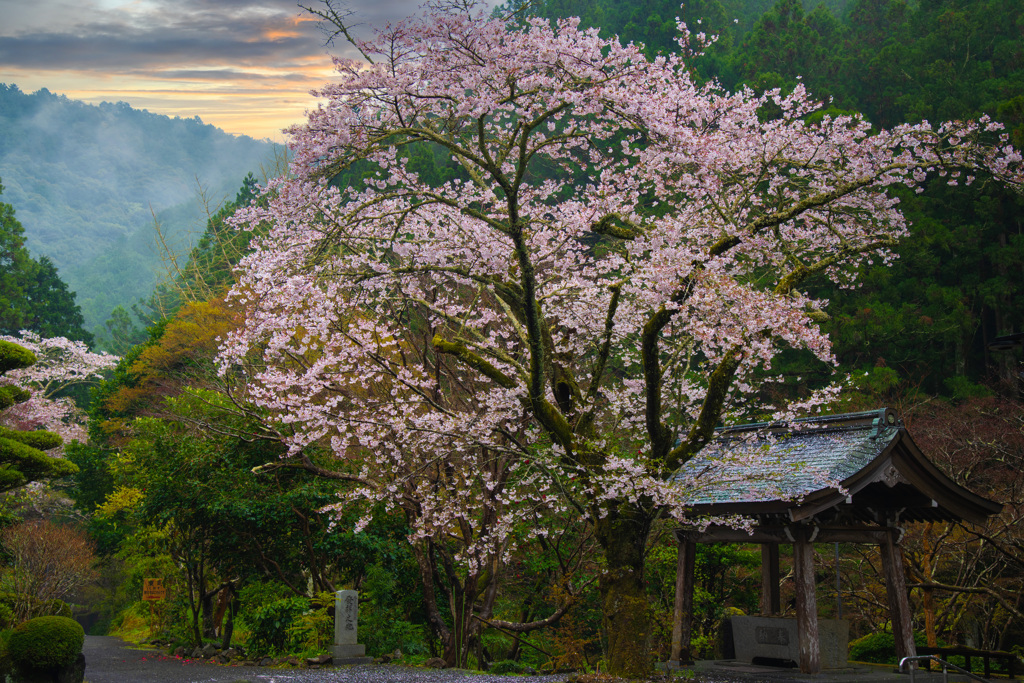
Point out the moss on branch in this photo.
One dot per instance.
(704, 428)
(474, 361)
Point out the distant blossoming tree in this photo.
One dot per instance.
(611, 273)
(38, 373)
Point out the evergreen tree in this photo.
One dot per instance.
(14, 264)
(32, 295)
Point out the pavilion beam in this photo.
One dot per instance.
(871, 535)
(771, 602)
(806, 601)
(896, 590)
(682, 614)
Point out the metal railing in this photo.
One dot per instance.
(946, 666)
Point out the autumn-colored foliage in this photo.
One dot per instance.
(48, 561)
(181, 355)
(969, 578)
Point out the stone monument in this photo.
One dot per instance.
(346, 649)
(760, 640)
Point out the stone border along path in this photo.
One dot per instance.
(111, 660)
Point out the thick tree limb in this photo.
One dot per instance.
(703, 429)
(474, 361)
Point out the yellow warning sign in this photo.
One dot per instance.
(153, 589)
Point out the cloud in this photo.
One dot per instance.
(160, 35)
(212, 58)
(154, 50)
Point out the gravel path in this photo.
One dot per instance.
(111, 660)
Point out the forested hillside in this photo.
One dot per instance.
(86, 181)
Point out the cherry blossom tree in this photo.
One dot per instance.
(59, 365)
(610, 272)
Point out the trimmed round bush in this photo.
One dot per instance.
(879, 648)
(46, 643)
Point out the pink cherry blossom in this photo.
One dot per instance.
(618, 263)
(60, 363)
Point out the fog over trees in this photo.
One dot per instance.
(88, 181)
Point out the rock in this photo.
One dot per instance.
(266, 661)
(233, 653)
(197, 653)
(179, 651)
(222, 659)
(293, 661)
(209, 651)
(319, 660)
(435, 663)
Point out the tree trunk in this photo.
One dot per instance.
(628, 621)
(927, 600)
(438, 572)
(229, 626)
(209, 627)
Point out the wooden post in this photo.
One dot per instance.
(896, 589)
(806, 602)
(770, 602)
(682, 616)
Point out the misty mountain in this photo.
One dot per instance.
(88, 183)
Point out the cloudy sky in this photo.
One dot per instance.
(246, 66)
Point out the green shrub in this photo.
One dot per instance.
(6, 665)
(313, 631)
(6, 616)
(382, 636)
(257, 595)
(268, 626)
(56, 608)
(507, 666)
(383, 627)
(879, 648)
(45, 643)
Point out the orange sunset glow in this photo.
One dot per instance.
(246, 66)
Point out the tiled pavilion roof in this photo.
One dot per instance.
(855, 466)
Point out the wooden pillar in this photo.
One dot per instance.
(896, 589)
(682, 616)
(770, 601)
(806, 602)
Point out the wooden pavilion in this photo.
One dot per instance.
(852, 478)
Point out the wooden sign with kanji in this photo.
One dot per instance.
(153, 589)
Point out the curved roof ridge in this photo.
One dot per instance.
(823, 463)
